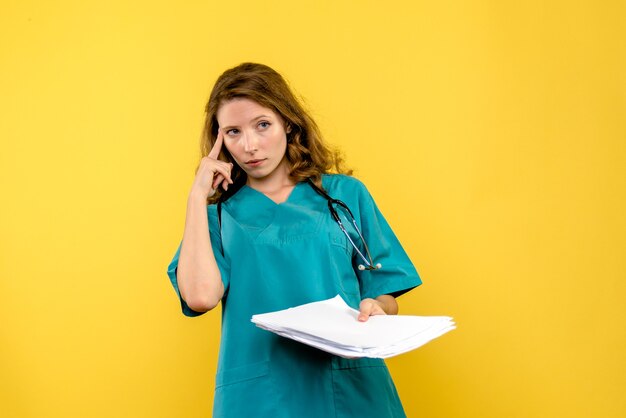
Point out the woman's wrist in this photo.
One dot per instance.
(388, 304)
(197, 195)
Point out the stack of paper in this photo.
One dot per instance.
(331, 325)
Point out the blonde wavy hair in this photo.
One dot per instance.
(308, 156)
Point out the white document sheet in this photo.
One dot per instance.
(331, 325)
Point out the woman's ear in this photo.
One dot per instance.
(288, 129)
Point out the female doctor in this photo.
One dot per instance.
(260, 236)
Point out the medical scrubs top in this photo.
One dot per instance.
(276, 256)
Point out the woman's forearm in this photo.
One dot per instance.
(199, 280)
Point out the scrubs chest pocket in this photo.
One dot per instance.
(341, 252)
(244, 391)
(340, 241)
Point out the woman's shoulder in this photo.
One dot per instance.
(342, 183)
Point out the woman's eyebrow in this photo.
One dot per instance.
(225, 128)
(259, 117)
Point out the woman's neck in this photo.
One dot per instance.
(275, 183)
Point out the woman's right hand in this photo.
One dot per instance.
(212, 172)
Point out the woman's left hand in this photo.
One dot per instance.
(382, 305)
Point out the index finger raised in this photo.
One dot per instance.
(217, 147)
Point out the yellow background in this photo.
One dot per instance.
(491, 134)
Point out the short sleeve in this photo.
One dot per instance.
(222, 264)
(397, 274)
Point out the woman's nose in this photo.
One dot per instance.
(250, 142)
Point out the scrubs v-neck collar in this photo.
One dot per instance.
(254, 211)
(292, 195)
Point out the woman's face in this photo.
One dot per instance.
(255, 136)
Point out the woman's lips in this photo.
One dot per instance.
(255, 163)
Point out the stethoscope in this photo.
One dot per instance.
(368, 262)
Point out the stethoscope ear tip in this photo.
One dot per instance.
(361, 267)
(378, 265)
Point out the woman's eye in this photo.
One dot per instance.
(232, 132)
(264, 124)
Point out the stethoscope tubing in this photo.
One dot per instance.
(369, 264)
